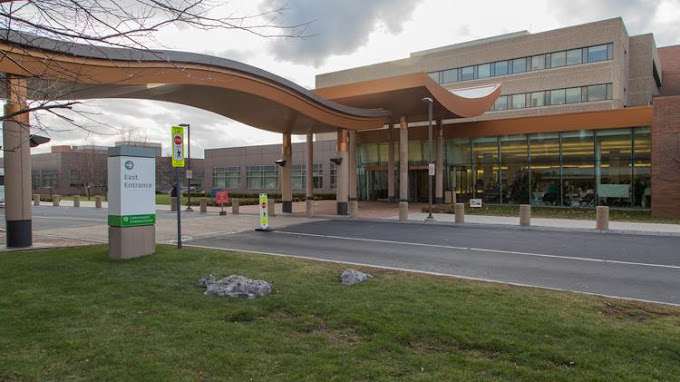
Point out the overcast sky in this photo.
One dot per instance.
(348, 33)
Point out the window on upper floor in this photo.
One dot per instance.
(501, 68)
(501, 103)
(558, 59)
(597, 93)
(519, 101)
(573, 95)
(524, 64)
(558, 97)
(484, 71)
(537, 99)
(467, 73)
(574, 57)
(537, 62)
(449, 76)
(598, 53)
(519, 65)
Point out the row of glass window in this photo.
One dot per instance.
(571, 169)
(520, 65)
(266, 177)
(299, 177)
(377, 153)
(228, 177)
(45, 178)
(581, 94)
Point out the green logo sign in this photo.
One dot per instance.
(132, 220)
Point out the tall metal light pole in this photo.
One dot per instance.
(430, 166)
(189, 174)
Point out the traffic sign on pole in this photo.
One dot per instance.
(177, 162)
(177, 146)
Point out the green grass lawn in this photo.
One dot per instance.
(73, 314)
(560, 213)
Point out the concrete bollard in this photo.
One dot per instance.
(525, 215)
(354, 208)
(98, 201)
(235, 205)
(271, 209)
(204, 205)
(403, 212)
(56, 200)
(76, 201)
(460, 213)
(602, 219)
(309, 208)
(173, 204)
(36, 199)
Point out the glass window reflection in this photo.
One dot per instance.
(578, 169)
(485, 165)
(545, 169)
(514, 169)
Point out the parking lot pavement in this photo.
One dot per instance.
(628, 266)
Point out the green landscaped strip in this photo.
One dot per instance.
(73, 314)
(132, 220)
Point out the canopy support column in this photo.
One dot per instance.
(309, 176)
(403, 170)
(439, 174)
(286, 188)
(17, 163)
(390, 166)
(342, 161)
(353, 200)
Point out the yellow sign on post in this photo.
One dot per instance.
(177, 146)
(264, 213)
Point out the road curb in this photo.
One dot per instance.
(508, 226)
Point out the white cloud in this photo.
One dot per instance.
(429, 24)
(336, 27)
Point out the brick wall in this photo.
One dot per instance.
(666, 157)
(670, 62)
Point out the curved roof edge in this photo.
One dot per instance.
(462, 103)
(27, 40)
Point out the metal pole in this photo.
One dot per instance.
(188, 126)
(179, 212)
(431, 163)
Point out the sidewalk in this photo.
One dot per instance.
(633, 228)
(386, 211)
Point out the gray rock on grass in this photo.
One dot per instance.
(235, 286)
(352, 277)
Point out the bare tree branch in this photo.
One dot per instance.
(128, 24)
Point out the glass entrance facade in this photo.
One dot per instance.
(570, 169)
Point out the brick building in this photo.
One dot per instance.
(588, 115)
(81, 170)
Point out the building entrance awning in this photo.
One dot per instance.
(57, 70)
(402, 96)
